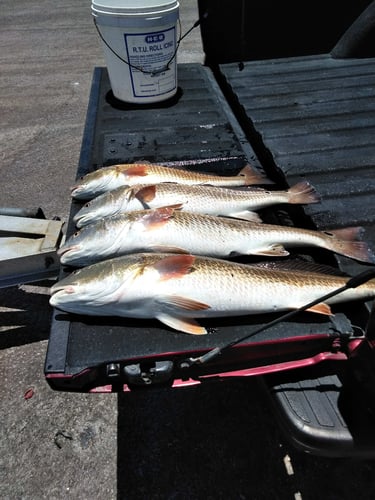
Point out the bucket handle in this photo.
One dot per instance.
(138, 68)
(166, 67)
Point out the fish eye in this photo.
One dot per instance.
(87, 205)
(76, 234)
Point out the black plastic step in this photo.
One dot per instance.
(322, 411)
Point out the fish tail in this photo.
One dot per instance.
(303, 193)
(251, 176)
(347, 233)
(344, 242)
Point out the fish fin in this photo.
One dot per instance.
(166, 249)
(136, 170)
(321, 308)
(179, 302)
(157, 217)
(253, 177)
(273, 251)
(145, 194)
(174, 266)
(303, 193)
(186, 325)
(298, 265)
(346, 233)
(348, 246)
(246, 215)
(357, 250)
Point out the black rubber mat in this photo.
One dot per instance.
(313, 118)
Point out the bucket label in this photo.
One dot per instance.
(148, 56)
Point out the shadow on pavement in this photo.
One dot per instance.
(207, 441)
(25, 314)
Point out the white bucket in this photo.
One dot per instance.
(139, 42)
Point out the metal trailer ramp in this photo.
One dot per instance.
(28, 245)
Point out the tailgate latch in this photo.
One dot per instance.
(156, 372)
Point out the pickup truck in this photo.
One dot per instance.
(289, 88)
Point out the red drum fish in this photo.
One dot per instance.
(108, 178)
(179, 289)
(204, 199)
(169, 230)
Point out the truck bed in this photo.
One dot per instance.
(197, 130)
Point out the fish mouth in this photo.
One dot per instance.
(82, 220)
(77, 217)
(78, 191)
(62, 288)
(63, 251)
(57, 291)
(74, 189)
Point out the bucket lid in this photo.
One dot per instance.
(133, 7)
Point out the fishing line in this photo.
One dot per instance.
(242, 36)
(353, 282)
(139, 68)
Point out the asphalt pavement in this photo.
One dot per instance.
(214, 441)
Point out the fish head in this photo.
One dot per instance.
(95, 209)
(84, 290)
(94, 183)
(88, 213)
(82, 246)
(126, 281)
(106, 204)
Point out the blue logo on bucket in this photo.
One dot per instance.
(155, 38)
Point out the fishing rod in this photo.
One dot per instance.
(353, 282)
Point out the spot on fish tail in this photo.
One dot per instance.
(346, 233)
(251, 176)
